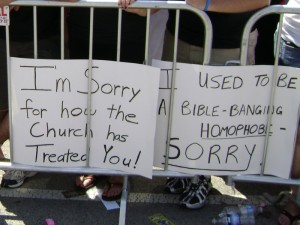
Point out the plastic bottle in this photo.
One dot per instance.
(242, 210)
(234, 219)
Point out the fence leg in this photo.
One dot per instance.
(122, 214)
(229, 181)
(298, 196)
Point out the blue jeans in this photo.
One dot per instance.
(289, 55)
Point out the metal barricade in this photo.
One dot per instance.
(148, 5)
(175, 5)
(281, 10)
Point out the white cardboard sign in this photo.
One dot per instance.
(49, 114)
(220, 117)
(218, 126)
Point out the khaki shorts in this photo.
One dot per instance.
(193, 54)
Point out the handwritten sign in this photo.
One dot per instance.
(4, 15)
(220, 116)
(49, 114)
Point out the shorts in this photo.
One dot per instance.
(188, 53)
(47, 49)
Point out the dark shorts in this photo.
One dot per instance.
(47, 49)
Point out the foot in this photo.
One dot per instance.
(2, 157)
(15, 178)
(176, 185)
(85, 181)
(112, 190)
(195, 195)
(290, 214)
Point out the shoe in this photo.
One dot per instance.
(195, 195)
(113, 188)
(112, 191)
(176, 185)
(85, 182)
(290, 217)
(15, 178)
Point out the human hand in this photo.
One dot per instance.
(125, 3)
(5, 2)
(14, 7)
(198, 4)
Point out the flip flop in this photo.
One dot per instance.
(84, 178)
(112, 187)
(290, 216)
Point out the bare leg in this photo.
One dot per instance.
(4, 130)
(296, 164)
(292, 208)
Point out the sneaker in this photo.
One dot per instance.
(15, 178)
(195, 195)
(177, 185)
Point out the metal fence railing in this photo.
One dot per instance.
(148, 5)
(281, 10)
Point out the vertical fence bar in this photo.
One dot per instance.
(35, 32)
(89, 96)
(146, 61)
(172, 90)
(119, 35)
(62, 32)
(9, 90)
(123, 202)
(272, 98)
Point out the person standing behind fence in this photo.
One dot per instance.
(266, 27)
(3, 109)
(133, 36)
(228, 20)
(289, 55)
(21, 45)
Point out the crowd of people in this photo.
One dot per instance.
(228, 18)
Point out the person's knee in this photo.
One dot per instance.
(295, 173)
(3, 113)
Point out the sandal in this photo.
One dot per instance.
(2, 157)
(290, 217)
(85, 181)
(112, 191)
